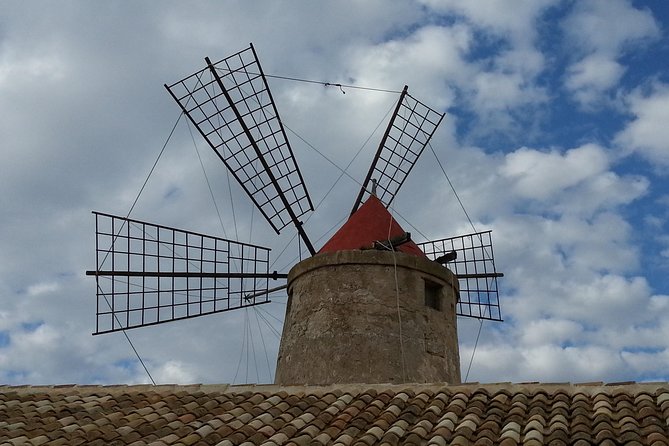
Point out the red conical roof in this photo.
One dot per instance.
(368, 224)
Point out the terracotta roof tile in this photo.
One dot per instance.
(499, 414)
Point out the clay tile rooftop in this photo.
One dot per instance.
(344, 414)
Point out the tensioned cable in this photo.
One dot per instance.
(154, 165)
(134, 203)
(343, 172)
(333, 84)
(141, 361)
(452, 187)
(253, 353)
(323, 83)
(274, 331)
(478, 334)
(227, 175)
(262, 339)
(241, 353)
(206, 177)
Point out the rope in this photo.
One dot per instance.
(397, 301)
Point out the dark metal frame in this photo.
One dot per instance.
(475, 269)
(160, 274)
(409, 130)
(230, 104)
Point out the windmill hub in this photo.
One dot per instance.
(369, 317)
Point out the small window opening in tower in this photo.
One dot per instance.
(433, 295)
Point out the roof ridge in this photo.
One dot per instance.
(583, 387)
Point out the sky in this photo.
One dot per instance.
(555, 138)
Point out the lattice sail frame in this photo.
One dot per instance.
(158, 274)
(232, 107)
(409, 131)
(476, 272)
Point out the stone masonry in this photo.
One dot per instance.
(342, 322)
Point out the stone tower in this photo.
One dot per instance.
(361, 315)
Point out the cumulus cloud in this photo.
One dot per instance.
(598, 46)
(429, 58)
(553, 331)
(539, 175)
(647, 133)
(517, 23)
(588, 78)
(502, 89)
(172, 372)
(85, 116)
(41, 288)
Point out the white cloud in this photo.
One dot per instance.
(171, 372)
(498, 90)
(440, 59)
(86, 135)
(553, 331)
(648, 133)
(42, 288)
(540, 175)
(588, 78)
(428, 59)
(589, 26)
(517, 22)
(44, 65)
(598, 45)
(546, 363)
(648, 363)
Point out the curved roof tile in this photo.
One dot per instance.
(432, 414)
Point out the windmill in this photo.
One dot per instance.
(148, 274)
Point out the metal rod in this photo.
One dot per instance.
(479, 276)
(378, 151)
(175, 319)
(222, 158)
(273, 275)
(169, 228)
(283, 132)
(411, 165)
(264, 292)
(263, 161)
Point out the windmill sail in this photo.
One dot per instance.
(232, 107)
(470, 257)
(148, 274)
(409, 130)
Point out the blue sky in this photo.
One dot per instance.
(555, 137)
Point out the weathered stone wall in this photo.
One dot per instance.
(342, 321)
